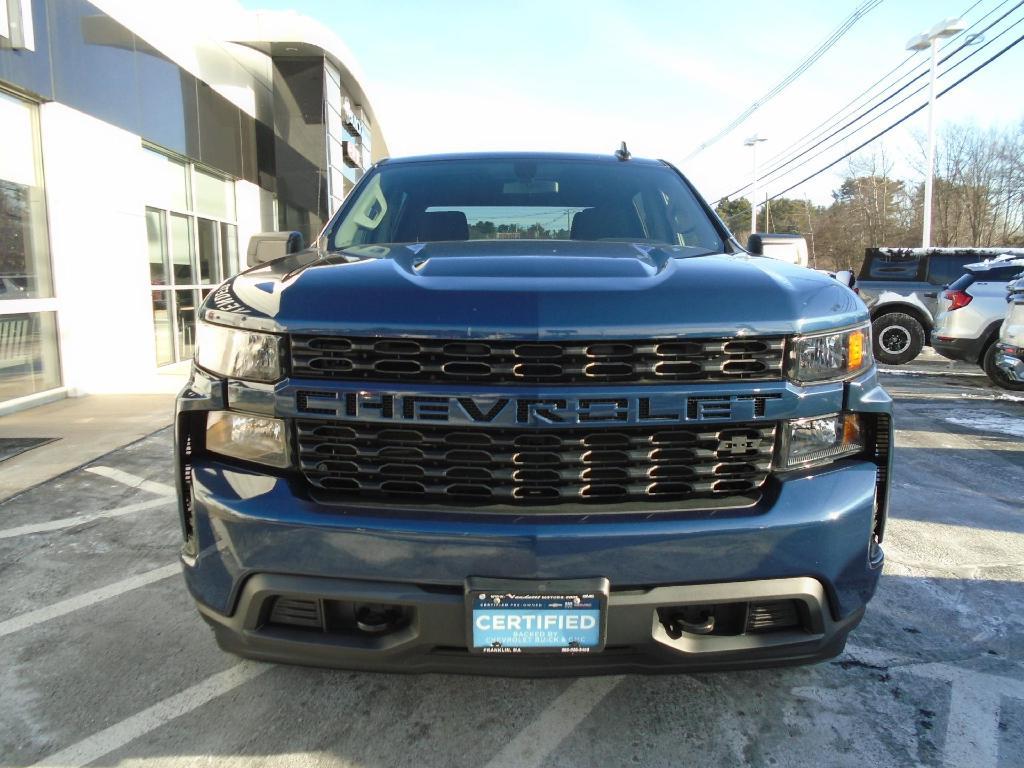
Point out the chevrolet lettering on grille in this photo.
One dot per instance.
(538, 411)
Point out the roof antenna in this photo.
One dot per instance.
(622, 153)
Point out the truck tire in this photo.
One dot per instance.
(898, 338)
(998, 377)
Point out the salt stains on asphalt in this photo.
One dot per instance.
(64, 607)
(540, 738)
(990, 421)
(77, 520)
(116, 736)
(132, 481)
(972, 728)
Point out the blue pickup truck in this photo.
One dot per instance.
(532, 414)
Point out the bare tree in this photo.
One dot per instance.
(978, 188)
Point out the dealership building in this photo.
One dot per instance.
(142, 145)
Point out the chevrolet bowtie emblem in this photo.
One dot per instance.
(739, 445)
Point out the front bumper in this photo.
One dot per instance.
(1010, 361)
(254, 534)
(434, 639)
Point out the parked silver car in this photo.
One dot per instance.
(901, 288)
(971, 312)
(1010, 347)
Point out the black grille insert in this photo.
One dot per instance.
(520, 467)
(562, 362)
(882, 449)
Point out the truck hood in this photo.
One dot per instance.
(532, 289)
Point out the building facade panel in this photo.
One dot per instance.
(166, 144)
(29, 68)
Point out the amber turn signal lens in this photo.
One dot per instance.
(855, 353)
(851, 429)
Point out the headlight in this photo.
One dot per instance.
(806, 442)
(252, 438)
(237, 353)
(830, 356)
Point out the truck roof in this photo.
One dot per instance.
(550, 156)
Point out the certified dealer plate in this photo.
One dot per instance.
(512, 616)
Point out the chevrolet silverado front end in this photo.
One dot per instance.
(532, 414)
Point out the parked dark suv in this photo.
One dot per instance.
(532, 414)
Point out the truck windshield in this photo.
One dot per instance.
(518, 199)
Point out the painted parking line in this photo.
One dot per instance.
(132, 481)
(116, 736)
(972, 728)
(541, 737)
(30, 619)
(71, 522)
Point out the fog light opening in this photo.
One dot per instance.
(733, 619)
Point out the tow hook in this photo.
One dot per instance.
(702, 623)
(377, 619)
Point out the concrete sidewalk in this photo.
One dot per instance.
(88, 427)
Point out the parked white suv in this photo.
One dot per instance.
(971, 313)
(1010, 355)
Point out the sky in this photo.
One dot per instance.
(568, 75)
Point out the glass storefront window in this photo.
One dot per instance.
(214, 196)
(157, 247)
(228, 250)
(187, 252)
(163, 326)
(167, 183)
(29, 361)
(186, 303)
(24, 247)
(181, 249)
(208, 257)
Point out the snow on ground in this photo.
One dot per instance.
(990, 421)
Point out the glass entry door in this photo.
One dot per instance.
(193, 246)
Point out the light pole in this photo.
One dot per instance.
(930, 39)
(752, 142)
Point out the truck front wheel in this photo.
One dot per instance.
(898, 338)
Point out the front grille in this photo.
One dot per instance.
(520, 467)
(188, 430)
(539, 362)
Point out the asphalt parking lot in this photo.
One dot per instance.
(104, 660)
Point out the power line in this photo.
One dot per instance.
(906, 117)
(862, 10)
(867, 95)
(774, 171)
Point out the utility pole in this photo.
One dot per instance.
(752, 142)
(930, 40)
(810, 230)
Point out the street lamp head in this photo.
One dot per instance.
(919, 43)
(751, 141)
(945, 28)
(948, 28)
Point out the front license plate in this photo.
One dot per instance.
(511, 616)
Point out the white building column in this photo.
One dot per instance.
(92, 176)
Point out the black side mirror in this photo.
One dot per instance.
(267, 246)
(755, 245)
